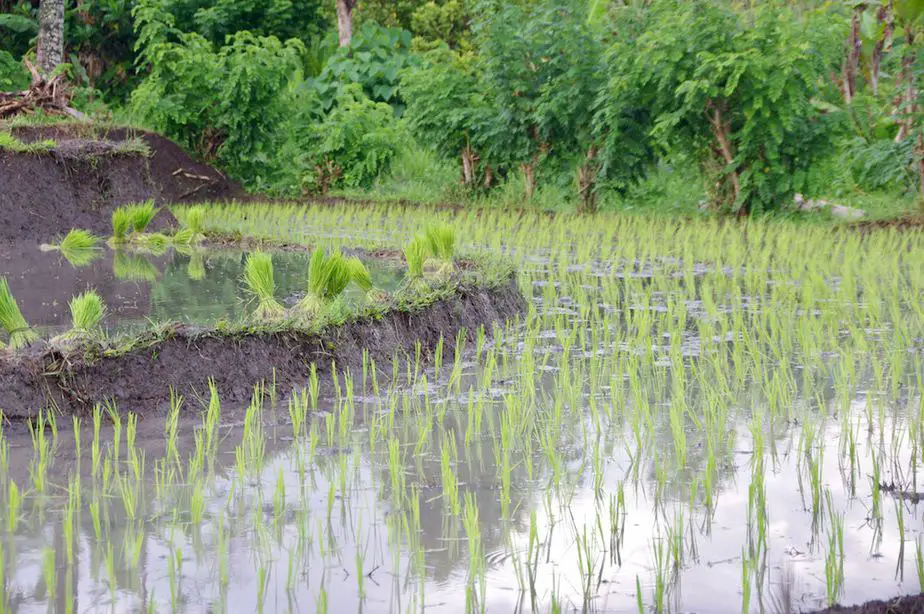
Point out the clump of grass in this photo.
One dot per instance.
(11, 143)
(87, 311)
(258, 277)
(12, 320)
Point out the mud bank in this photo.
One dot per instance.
(140, 380)
(88, 172)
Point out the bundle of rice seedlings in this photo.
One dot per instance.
(195, 218)
(11, 319)
(328, 277)
(415, 253)
(78, 239)
(441, 241)
(132, 219)
(141, 215)
(78, 247)
(258, 277)
(87, 311)
(359, 274)
(184, 236)
(121, 224)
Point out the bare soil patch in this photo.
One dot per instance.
(89, 172)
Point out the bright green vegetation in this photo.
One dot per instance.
(11, 143)
(671, 105)
(686, 405)
(258, 277)
(11, 320)
(328, 276)
(87, 311)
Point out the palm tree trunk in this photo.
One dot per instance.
(50, 49)
(345, 21)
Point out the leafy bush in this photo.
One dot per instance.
(448, 110)
(225, 104)
(351, 146)
(733, 88)
(374, 60)
(13, 75)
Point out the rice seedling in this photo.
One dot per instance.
(260, 283)
(12, 320)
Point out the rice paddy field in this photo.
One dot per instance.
(692, 416)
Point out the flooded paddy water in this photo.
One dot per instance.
(693, 416)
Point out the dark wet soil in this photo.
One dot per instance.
(913, 604)
(89, 172)
(184, 360)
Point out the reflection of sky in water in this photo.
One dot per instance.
(200, 287)
(362, 517)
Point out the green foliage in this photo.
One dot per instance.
(226, 104)
(374, 60)
(447, 107)
(11, 319)
(13, 75)
(350, 147)
(446, 22)
(260, 283)
(733, 88)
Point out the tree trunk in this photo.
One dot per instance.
(50, 50)
(911, 93)
(468, 165)
(529, 179)
(919, 154)
(587, 180)
(852, 61)
(886, 18)
(345, 21)
(722, 131)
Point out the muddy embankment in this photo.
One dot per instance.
(141, 380)
(92, 170)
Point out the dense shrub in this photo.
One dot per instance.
(732, 88)
(350, 146)
(375, 60)
(225, 104)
